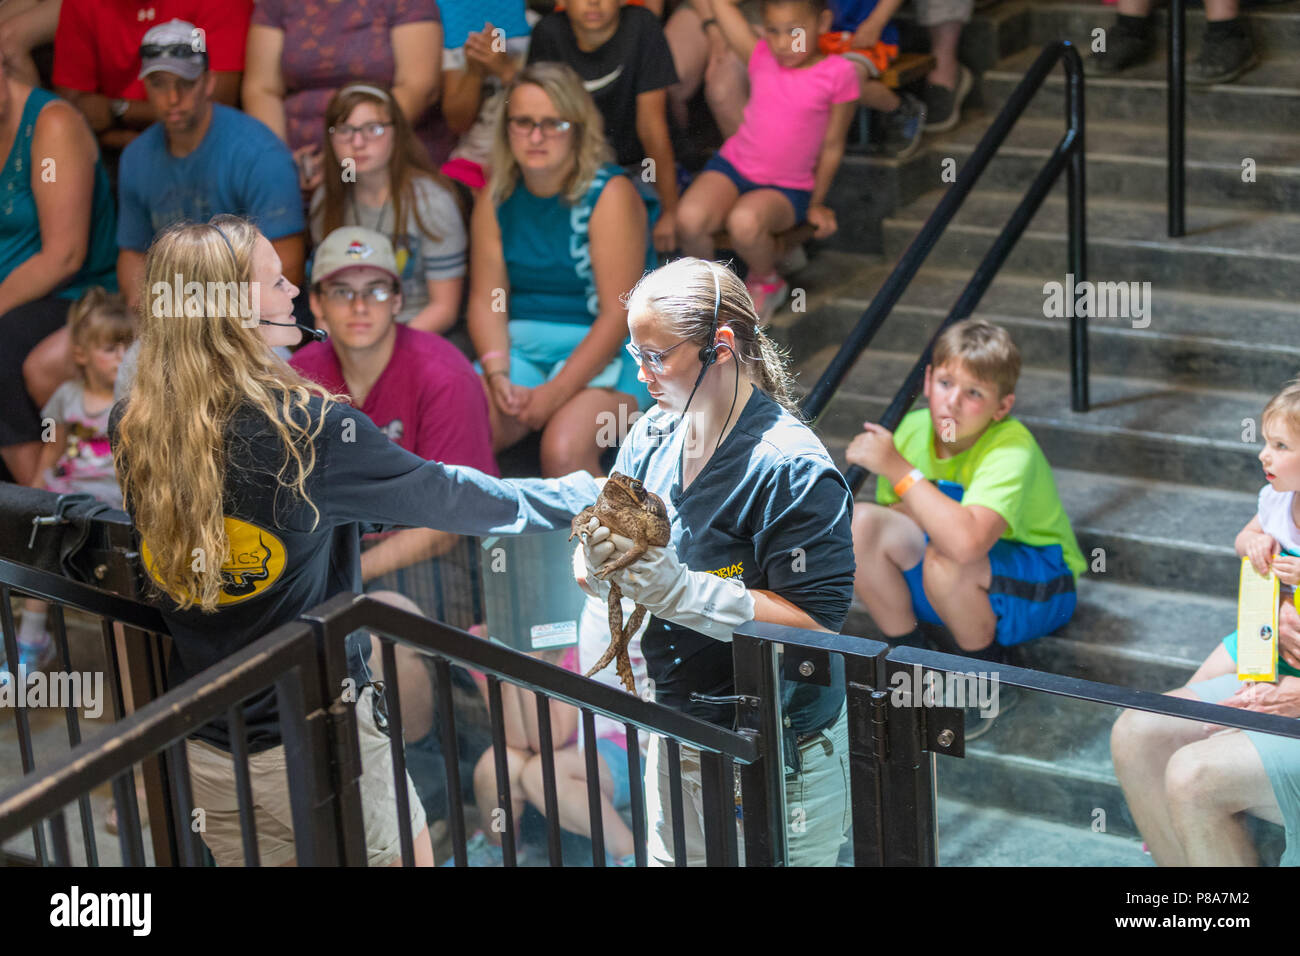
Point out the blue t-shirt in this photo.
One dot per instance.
(240, 168)
(20, 224)
(548, 255)
(770, 508)
(849, 14)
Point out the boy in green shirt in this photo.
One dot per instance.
(968, 531)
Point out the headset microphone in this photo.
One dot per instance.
(315, 335)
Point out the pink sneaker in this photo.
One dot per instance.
(768, 295)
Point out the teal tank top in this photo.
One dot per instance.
(548, 256)
(20, 227)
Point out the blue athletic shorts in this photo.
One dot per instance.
(799, 198)
(616, 760)
(1032, 591)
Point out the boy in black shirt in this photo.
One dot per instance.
(624, 61)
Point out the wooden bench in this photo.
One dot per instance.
(908, 68)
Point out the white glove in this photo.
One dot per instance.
(596, 549)
(670, 590)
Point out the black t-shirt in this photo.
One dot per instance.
(769, 508)
(283, 561)
(634, 60)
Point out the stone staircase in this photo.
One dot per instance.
(1162, 473)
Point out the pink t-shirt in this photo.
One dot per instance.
(786, 118)
(428, 398)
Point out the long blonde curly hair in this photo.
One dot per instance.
(197, 367)
(572, 101)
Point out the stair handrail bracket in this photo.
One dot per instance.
(1068, 155)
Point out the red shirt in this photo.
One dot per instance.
(428, 398)
(97, 43)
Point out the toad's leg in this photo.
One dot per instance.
(624, 664)
(615, 629)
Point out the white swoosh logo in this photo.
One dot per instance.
(600, 83)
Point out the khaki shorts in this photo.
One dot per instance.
(930, 13)
(212, 776)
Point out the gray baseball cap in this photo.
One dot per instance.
(174, 47)
(350, 247)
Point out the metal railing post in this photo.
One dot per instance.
(1076, 185)
(907, 784)
(762, 783)
(1177, 116)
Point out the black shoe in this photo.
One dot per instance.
(1129, 42)
(1223, 58)
(902, 128)
(978, 723)
(943, 104)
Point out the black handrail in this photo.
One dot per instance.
(1068, 155)
(1177, 116)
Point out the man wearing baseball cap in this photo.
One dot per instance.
(97, 65)
(416, 386)
(199, 160)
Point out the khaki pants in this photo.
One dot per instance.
(212, 776)
(817, 801)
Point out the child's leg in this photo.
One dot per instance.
(885, 544)
(571, 797)
(485, 792)
(875, 94)
(702, 211)
(960, 595)
(690, 51)
(944, 38)
(753, 223)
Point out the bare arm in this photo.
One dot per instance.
(62, 142)
(462, 96)
(440, 314)
(735, 28)
(263, 83)
(403, 549)
(617, 241)
(130, 276)
(489, 284)
(774, 609)
(51, 452)
(417, 69)
(227, 90)
(652, 130)
(832, 152)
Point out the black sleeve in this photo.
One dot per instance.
(805, 542)
(363, 477)
(545, 41)
(655, 69)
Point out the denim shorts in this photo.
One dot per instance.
(1032, 592)
(799, 198)
(615, 758)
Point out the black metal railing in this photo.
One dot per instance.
(1177, 121)
(1068, 156)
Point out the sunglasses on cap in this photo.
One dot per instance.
(179, 51)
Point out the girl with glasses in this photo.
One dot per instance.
(378, 176)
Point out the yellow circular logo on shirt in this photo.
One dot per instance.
(255, 562)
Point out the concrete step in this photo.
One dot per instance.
(1138, 427)
(1276, 27)
(1049, 757)
(974, 835)
(1128, 161)
(1188, 341)
(1225, 249)
(1266, 99)
(1120, 634)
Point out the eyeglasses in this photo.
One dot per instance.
(652, 360)
(368, 131)
(183, 51)
(550, 126)
(342, 293)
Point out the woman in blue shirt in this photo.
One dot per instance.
(56, 239)
(760, 521)
(557, 239)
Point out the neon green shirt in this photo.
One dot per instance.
(1004, 471)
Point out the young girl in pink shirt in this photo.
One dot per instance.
(777, 168)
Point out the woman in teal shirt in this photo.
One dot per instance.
(56, 239)
(558, 238)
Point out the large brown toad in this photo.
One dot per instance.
(626, 508)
